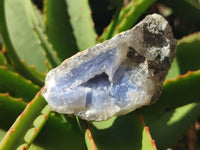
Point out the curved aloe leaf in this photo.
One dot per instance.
(56, 131)
(2, 133)
(27, 126)
(9, 108)
(5, 53)
(89, 140)
(3, 60)
(138, 7)
(21, 34)
(40, 34)
(147, 142)
(22, 68)
(175, 93)
(111, 28)
(39, 16)
(38, 123)
(125, 132)
(35, 147)
(164, 120)
(127, 17)
(175, 122)
(174, 70)
(82, 24)
(54, 127)
(188, 53)
(182, 11)
(187, 56)
(58, 28)
(16, 85)
(195, 3)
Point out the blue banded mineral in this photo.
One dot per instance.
(115, 77)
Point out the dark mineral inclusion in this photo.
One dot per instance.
(115, 77)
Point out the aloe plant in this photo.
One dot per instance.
(35, 41)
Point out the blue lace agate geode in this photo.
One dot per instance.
(116, 76)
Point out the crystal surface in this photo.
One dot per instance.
(115, 77)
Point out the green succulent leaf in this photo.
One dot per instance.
(124, 132)
(187, 56)
(176, 93)
(147, 142)
(2, 133)
(3, 60)
(31, 73)
(175, 110)
(89, 140)
(21, 34)
(40, 34)
(18, 64)
(174, 70)
(130, 18)
(38, 123)
(22, 133)
(9, 108)
(185, 11)
(54, 127)
(39, 16)
(195, 3)
(111, 28)
(127, 18)
(57, 134)
(16, 85)
(174, 122)
(59, 29)
(82, 24)
(188, 53)
(35, 147)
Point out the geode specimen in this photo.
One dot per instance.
(115, 77)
